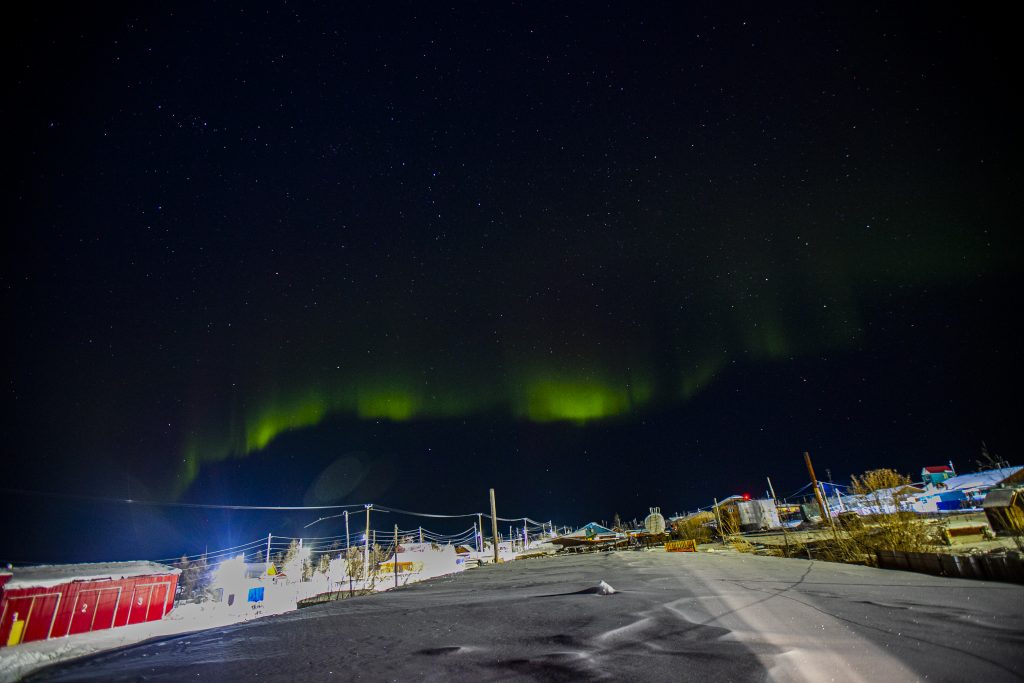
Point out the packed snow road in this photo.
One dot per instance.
(675, 616)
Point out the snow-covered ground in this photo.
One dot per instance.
(671, 616)
(280, 597)
(17, 661)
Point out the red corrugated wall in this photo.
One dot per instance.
(83, 606)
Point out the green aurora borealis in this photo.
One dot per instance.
(556, 359)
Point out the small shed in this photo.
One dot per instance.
(758, 514)
(49, 601)
(937, 474)
(1004, 508)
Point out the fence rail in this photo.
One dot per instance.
(984, 567)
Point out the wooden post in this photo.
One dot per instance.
(718, 516)
(494, 527)
(817, 494)
(775, 501)
(814, 485)
(396, 556)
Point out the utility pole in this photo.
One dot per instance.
(421, 534)
(479, 532)
(526, 537)
(347, 542)
(396, 556)
(775, 502)
(817, 492)
(268, 552)
(494, 527)
(366, 548)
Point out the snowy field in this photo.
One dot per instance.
(674, 616)
(429, 562)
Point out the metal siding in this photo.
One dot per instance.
(83, 612)
(139, 604)
(14, 605)
(56, 611)
(40, 618)
(157, 598)
(93, 610)
(107, 608)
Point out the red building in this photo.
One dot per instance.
(52, 601)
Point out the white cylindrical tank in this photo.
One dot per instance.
(654, 523)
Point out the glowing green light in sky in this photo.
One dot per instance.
(578, 399)
(305, 412)
(700, 376)
(552, 400)
(392, 405)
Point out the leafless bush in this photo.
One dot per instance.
(875, 480)
(695, 527)
(858, 541)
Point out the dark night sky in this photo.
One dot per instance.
(596, 257)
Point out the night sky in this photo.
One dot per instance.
(598, 257)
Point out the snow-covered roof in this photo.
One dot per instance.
(984, 479)
(56, 574)
(589, 530)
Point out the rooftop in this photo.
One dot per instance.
(56, 574)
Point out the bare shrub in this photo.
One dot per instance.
(858, 542)
(876, 480)
(695, 527)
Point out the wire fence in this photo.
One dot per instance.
(361, 533)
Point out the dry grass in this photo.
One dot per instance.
(694, 527)
(875, 480)
(741, 545)
(857, 540)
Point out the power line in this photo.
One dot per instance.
(159, 503)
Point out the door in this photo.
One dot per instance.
(84, 612)
(35, 616)
(15, 614)
(106, 608)
(140, 603)
(94, 609)
(157, 601)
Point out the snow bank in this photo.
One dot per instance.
(428, 561)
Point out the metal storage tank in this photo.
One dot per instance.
(654, 523)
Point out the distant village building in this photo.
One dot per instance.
(740, 513)
(591, 534)
(963, 491)
(756, 515)
(1004, 508)
(937, 474)
(52, 601)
